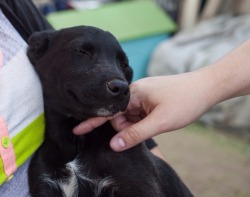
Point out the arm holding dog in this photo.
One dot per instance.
(162, 104)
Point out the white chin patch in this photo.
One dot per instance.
(104, 112)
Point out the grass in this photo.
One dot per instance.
(220, 138)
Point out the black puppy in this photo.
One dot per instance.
(85, 73)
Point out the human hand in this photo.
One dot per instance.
(157, 105)
(161, 104)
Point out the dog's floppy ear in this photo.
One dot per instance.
(38, 44)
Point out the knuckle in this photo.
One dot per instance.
(132, 135)
(164, 126)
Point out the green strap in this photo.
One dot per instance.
(26, 143)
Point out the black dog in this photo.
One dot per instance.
(85, 73)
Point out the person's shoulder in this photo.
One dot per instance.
(24, 16)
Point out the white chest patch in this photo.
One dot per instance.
(77, 173)
(70, 187)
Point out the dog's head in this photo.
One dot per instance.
(83, 70)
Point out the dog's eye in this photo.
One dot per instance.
(80, 51)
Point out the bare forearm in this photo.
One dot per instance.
(230, 76)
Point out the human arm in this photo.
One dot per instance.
(24, 16)
(167, 103)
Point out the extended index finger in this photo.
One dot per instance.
(89, 125)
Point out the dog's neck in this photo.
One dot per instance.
(59, 132)
(59, 135)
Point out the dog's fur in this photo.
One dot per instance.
(85, 73)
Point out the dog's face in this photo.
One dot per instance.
(83, 70)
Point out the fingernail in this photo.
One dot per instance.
(118, 144)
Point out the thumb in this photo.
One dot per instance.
(136, 133)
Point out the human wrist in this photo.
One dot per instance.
(208, 85)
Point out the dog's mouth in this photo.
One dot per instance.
(111, 110)
(95, 108)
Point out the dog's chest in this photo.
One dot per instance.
(76, 180)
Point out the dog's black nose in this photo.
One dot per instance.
(118, 87)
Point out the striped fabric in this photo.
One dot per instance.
(21, 104)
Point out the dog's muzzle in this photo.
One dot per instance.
(117, 88)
